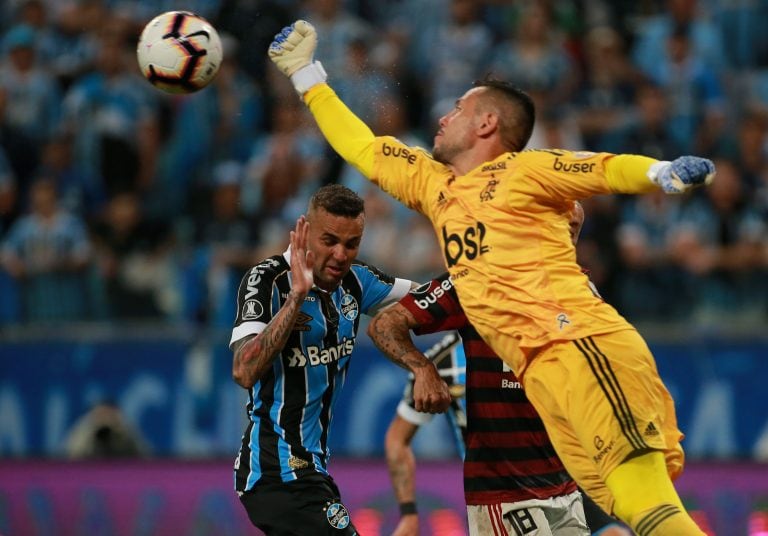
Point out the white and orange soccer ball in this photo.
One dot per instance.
(179, 52)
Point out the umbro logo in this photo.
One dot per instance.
(651, 430)
(441, 199)
(301, 322)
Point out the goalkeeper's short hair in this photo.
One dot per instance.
(516, 110)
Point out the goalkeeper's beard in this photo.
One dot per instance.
(445, 153)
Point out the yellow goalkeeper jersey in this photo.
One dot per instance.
(503, 229)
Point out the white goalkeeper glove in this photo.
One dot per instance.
(293, 50)
(682, 173)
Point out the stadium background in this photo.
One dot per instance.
(159, 203)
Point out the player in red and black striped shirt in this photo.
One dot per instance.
(514, 483)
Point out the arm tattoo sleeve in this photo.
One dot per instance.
(389, 331)
(254, 355)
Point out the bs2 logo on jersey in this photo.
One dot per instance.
(468, 244)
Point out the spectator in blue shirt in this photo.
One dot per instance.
(47, 251)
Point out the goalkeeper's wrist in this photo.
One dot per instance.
(308, 76)
(656, 169)
(407, 508)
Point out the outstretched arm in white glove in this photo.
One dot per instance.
(293, 51)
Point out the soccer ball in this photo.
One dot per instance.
(179, 52)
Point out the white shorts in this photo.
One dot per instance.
(556, 516)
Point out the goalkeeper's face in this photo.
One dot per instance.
(335, 241)
(456, 134)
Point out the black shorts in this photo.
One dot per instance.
(308, 506)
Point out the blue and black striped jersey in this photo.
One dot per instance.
(291, 407)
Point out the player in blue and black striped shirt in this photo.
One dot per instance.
(294, 332)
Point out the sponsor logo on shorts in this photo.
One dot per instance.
(602, 448)
(349, 307)
(337, 515)
(252, 310)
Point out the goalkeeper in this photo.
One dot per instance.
(498, 213)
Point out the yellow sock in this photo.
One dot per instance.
(647, 500)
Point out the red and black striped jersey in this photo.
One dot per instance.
(509, 457)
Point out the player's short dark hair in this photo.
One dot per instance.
(516, 111)
(337, 200)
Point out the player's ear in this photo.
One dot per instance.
(487, 124)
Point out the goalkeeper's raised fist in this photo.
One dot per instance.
(682, 174)
(293, 50)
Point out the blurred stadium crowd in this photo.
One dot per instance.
(118, 201)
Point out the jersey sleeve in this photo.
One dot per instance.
(254, 299)
(405, 172)
(379, 288)
(435, 306)
(400, 170)
(576, 175)
(349, 136)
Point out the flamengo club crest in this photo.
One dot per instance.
(489, 191)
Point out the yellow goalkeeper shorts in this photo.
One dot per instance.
(602, 400)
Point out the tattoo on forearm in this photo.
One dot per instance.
(389, 332)
(255, 354)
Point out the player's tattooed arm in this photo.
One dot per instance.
(253, 355)
(390, 332)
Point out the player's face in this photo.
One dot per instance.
(335, 241)
(455, 134)
(576, 221)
